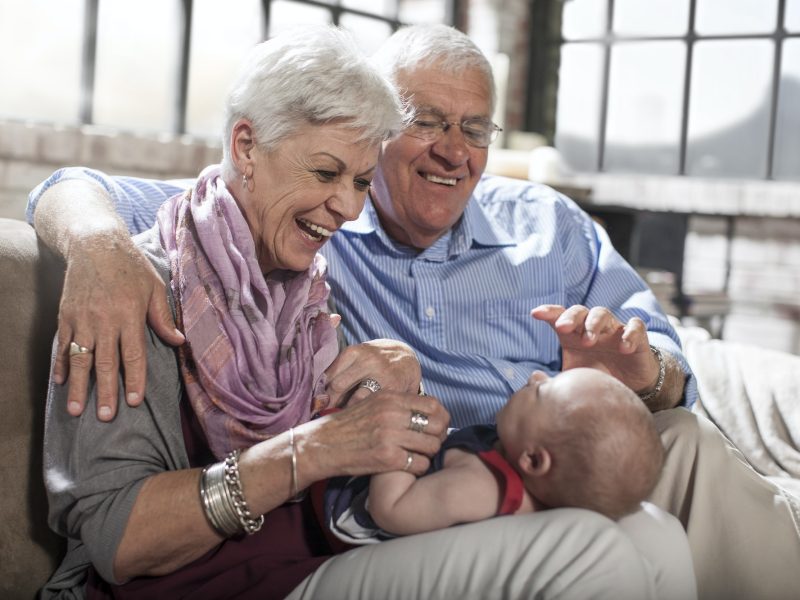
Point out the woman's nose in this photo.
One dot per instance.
(347, 203)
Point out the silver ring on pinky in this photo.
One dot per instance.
(409, 460)
(371, 384)
(418, 422)
(78, 349)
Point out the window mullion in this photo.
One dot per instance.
(691, 38)
(89, 61)
(776, 82)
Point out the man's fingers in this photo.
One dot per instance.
(134, 365)
(159, 316)
(61, 365)
(601, 323)
(634, 336)
(80, 364)
(106, 367)
(547, 312)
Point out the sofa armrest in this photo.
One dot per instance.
(30, 287)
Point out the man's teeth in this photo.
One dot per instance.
(444, 180)
(316, 228)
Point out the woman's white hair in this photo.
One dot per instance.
(312, 75)
(440, 46)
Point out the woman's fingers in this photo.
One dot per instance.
(377, 434)
(392, 364)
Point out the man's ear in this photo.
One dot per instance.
(242, 146)
(536, 462)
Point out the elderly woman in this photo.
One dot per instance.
(198, 492)
(225, 437)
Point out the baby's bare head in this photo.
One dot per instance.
(606, 453)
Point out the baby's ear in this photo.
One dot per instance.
(535, 463)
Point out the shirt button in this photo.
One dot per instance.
(430, 312)
(510, 373)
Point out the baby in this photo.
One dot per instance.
(580, 439)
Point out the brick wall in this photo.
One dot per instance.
(29, 152)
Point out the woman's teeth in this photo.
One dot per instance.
(320, 231)
(444, 180)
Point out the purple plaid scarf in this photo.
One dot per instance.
(256, 348)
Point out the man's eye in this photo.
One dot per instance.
(427, 123)
(323, 175)
(362, 185)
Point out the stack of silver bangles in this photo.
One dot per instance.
(223, 499)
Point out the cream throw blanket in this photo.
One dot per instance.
(753, 396)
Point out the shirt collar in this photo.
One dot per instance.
(473, 228)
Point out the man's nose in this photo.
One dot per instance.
(452, 146)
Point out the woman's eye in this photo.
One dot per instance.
(323, 175)
(362, 185)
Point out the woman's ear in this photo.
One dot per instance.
(536, 462)
(242, 147)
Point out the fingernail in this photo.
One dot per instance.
(133, 398)
(104, 412)
(74, 407)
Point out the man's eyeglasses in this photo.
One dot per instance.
(430, 127)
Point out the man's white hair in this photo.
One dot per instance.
(312, 75)
(440, 46)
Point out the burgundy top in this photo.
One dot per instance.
(266, 565)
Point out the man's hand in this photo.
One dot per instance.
(595, 338)
(391, 363)
(109, 290)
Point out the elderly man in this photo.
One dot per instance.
(451, 261)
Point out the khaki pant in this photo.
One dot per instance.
(562, 553)
(743, 530)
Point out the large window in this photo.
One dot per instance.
(707, 88)
(160, 65)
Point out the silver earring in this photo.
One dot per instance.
(244, 180)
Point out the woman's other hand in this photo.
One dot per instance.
(391, 363)
(374, 435)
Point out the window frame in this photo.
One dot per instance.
(544, 64)
(89, 54)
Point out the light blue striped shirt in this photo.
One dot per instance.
(463, 304)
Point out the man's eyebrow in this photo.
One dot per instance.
(440, 113)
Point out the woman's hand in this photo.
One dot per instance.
(391, 363)
(371, 435)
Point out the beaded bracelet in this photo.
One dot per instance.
(662, 370)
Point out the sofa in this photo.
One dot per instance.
(32, 279)
(751, 394)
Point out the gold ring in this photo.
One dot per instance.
(78, 349)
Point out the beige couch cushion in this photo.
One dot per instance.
(30, 286)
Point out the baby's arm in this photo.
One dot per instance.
(465, 490)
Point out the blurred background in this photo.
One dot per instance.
(675, 123)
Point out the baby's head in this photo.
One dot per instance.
(584, 439)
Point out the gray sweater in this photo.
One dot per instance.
(93, 470)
